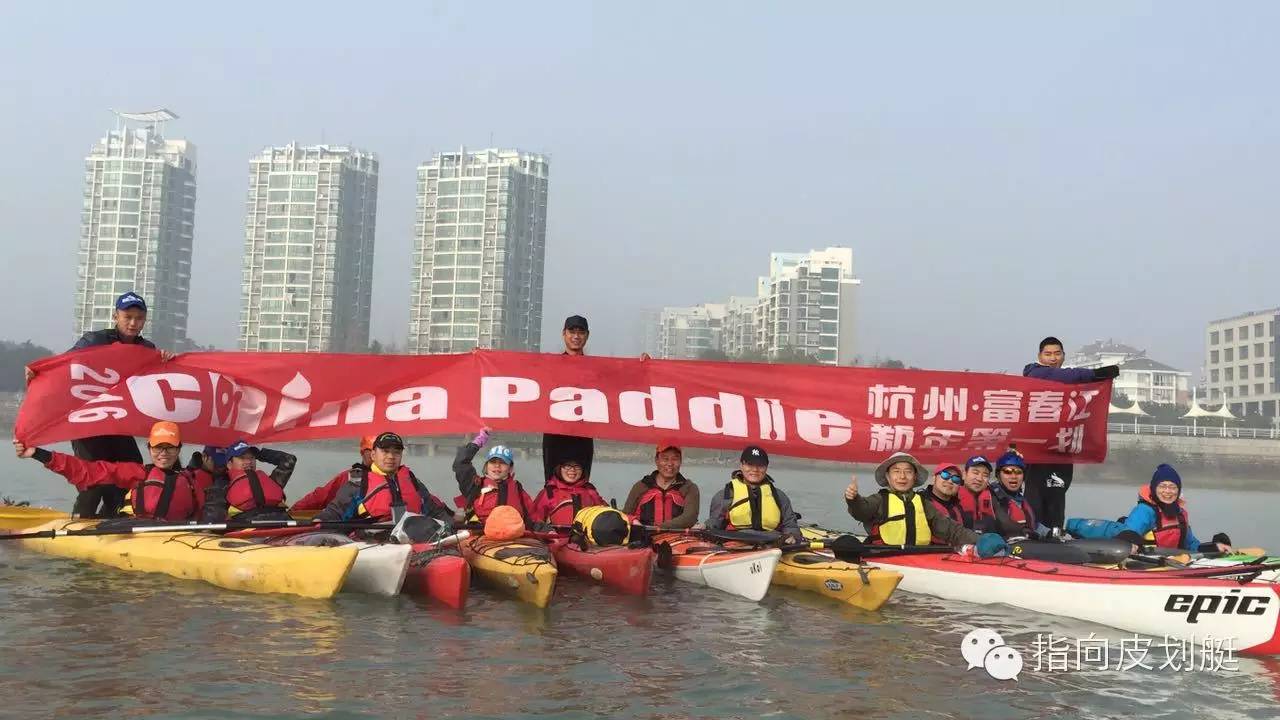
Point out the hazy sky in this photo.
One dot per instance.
(1001, 170)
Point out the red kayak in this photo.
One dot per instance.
(617, 566)
(440, 574)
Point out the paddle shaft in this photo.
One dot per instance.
(195, 527)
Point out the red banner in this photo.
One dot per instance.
(834, 413)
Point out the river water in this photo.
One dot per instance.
(80, 640)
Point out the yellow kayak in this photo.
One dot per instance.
(857, 585)
(523, 567)
(21, 517)
(312, 572)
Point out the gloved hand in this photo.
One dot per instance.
(481, 438)
(1106, 372)
(1059, 535)
(542, 527)
(991, 545)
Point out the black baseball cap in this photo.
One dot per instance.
(755, 455)
(388, 441)
(576, 321)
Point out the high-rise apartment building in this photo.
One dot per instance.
(689, 332)
(480, 238)
(807, 305)
(307, 280)
(1240, 363)
(136, 227)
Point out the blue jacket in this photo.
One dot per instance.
(1142, 520)
(1066, 375)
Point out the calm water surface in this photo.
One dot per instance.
(79, 640)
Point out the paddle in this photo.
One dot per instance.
(193, 527)
(1103, 551)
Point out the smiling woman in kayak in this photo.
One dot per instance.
(162, 489)
(567, 491)
(497, 485)
(751, 501)
(386, 490)
(1162, 512)
(897, 515)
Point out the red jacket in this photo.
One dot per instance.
(320, 498)
(559, 501)
(85, 474)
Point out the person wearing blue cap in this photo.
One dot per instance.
(481, 493)
(976, 506)
(1161, 512)
(242, 491)
(106, 501)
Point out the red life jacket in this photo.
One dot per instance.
(657, 505)
(254, 490)
(562, 501)
(379, 496)
(951, 508)
(1018, 510)
(203, 480)
(1170, 532)
(165, 495)
(975, 508)
(492, 494)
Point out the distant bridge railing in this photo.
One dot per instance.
(1206, 431)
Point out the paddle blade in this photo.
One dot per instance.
(1103, 551)
(1049, 552)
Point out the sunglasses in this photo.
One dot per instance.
(950, 476)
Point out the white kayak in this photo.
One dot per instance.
(746, 573)
(1182, 604)
(379, 569)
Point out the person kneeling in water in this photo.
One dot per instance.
(481, 493)
(245, 493)
(751, 501)
(566, 492)
(1162, 512)
(386, 492)
(897, 515)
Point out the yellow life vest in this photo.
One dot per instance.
(901, 522)
(748, 513)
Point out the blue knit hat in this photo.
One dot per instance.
(1165, 472)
